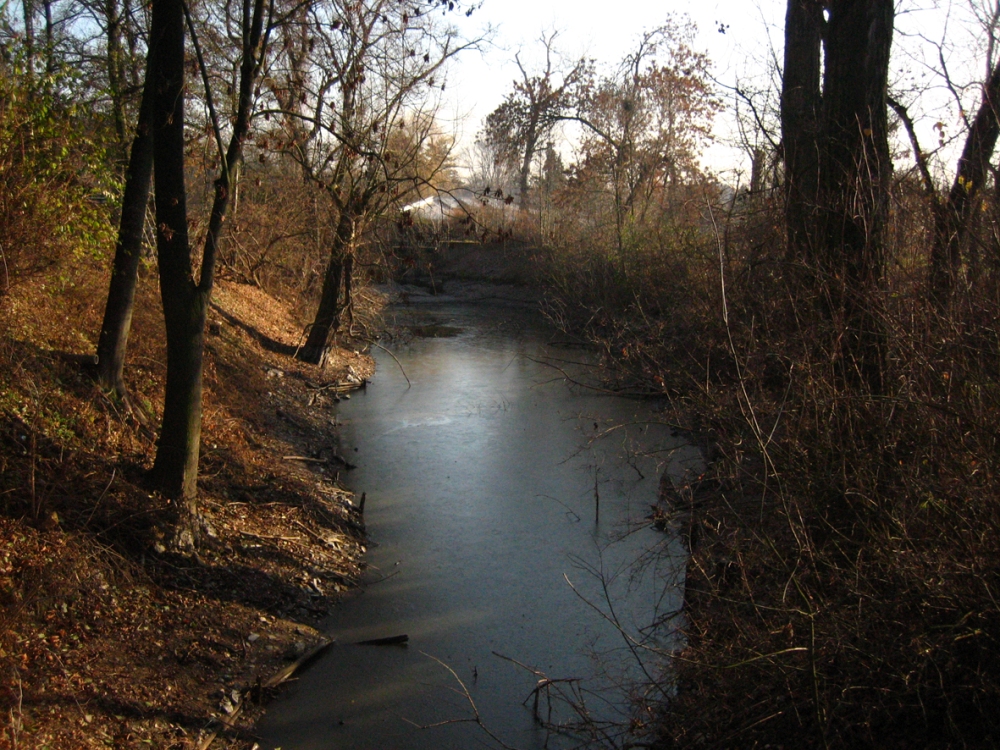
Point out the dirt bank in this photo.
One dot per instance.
(107, 639)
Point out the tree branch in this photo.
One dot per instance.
(918, 154)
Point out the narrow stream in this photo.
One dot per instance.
(480, 480)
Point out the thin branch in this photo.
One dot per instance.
(208, 89)
(949, 84)
(918, 153)
(474, 719)
(569, 378)
(408, 384)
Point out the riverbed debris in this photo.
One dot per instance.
(240, 698)
(337, 387)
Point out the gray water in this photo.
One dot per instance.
(480, 480)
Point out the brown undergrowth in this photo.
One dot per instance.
(107, 639)
(844, 585)
(844, 572)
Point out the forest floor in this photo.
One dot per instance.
(107, 637)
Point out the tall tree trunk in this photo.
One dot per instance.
(185, 304)
(28, 9)
(226, 184)
(524, 175)
(328, 314)
(349, 287)
(856, 172)
(175, 470)
(952, 221)
(113, 341)
(134, 74)
(855, 175)
(837, 170)
(800, 111)
(115, 53)
(50, 57)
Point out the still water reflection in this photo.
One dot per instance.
(481, 481)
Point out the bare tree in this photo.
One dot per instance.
(645, 125)
(491, 168)
(364, 73)
(523, 122)
(185, 300)
(953, 210)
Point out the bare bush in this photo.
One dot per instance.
(841, 587)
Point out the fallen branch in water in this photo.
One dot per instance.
(474, 719)
(599, 389)
(392, 640)
(282, 675)
(383, 578)
(408, 384)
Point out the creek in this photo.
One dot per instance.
(507, 512)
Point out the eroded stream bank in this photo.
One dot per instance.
(483, 478)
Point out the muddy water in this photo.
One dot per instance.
(482, 478)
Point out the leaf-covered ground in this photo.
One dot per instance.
(107, 637)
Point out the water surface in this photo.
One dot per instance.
(483, 479)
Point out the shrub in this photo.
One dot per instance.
(57, 190)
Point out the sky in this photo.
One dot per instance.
(606, 31)
(754, 30)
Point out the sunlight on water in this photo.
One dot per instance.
(481, 481)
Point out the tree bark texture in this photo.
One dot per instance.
(856, 170)
(28, 9)
(838, 170)
(800, 111)
(113, 340)
(115, 54)
(328, 314)
(175, 469)
(185, 303)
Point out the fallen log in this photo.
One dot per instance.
(393, 640)
(336, 387)
(282, 675)
(343, 461)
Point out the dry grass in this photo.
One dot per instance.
(843, 585)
